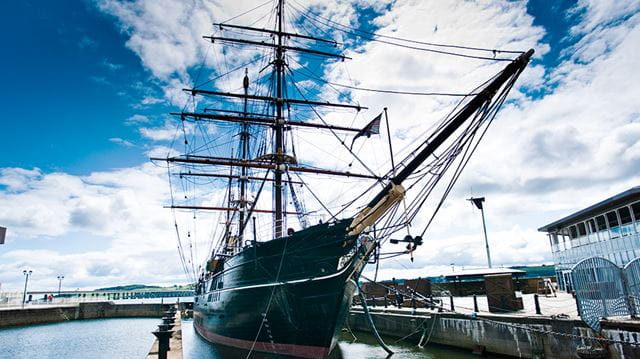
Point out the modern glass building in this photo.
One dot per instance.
(608, 229)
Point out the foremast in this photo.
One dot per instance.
(394, 192)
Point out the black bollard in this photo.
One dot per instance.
(475, 303)
(373, 301)
(164, 327)
(536, 301)
(451, 300)
(385, 300)
(163, 343)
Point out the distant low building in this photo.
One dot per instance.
(608, 229)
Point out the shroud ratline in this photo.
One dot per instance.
(291, 294)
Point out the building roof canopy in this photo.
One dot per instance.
(593, 210)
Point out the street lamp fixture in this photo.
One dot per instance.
(478, 202)
(60, 278)
(26, 273)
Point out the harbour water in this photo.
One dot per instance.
(100, 338)
(364, 346)
(132, 338)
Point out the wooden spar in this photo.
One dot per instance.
(263, 165)
(261, 121)
(232, 111)
(485, 95)
(393, 192)
(218, 175)
(207, 208)
(273, 32)
(277, 99)
(284, 47)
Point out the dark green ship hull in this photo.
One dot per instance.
(288, 296)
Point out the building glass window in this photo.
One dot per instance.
(582, 233)
(626, 225)
(573, 232)
(614, 229)
(601, 225)
(635, 208)
(625, 215)
(591, 229)
(565, 237)
(553, 240)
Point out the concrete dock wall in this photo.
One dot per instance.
(40, 315)
(503, 335)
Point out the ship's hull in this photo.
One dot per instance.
(292, 305)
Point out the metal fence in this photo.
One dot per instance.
(632, 280)
(15, 299)
(605, 290)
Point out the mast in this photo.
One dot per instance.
(244, 138)
(393, 192)
(279, 128)
(278, 161)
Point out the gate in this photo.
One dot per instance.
(632, 277)
(600, 291)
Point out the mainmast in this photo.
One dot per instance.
(279, 161)
(279, 128)
(244, 138)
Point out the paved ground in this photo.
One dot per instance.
(564, 303)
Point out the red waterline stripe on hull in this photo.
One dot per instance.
(302, 351)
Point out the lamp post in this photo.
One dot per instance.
(478, 203)
(27, 273)
(60, 278)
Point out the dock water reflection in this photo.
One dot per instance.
(364, 347)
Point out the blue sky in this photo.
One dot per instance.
(88, 84)
(71, 85)
(73, 82)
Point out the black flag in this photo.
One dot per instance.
(373, 128)
(477, 201)
(3, 232)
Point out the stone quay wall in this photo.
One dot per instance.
(50, 314)
(502, 334)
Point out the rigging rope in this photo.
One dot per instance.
(393, 92)
(375, 37)
(248, 11)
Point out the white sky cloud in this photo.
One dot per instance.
(137, 120)
(121, 142)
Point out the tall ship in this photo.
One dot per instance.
(280, 274)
